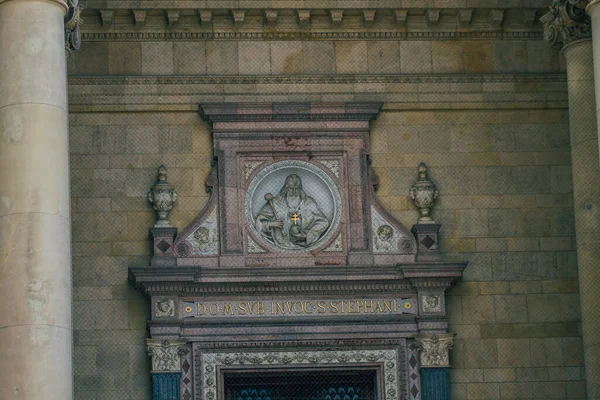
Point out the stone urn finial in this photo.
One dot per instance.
(424, 193)
(162, 196)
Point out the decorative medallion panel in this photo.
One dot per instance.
(293, 205)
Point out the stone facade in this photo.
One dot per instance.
(488, 114)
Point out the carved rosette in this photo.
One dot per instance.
(166, 354)
(566, 22)
(72, 22)
(435, 349)
(423, 193)
(162, 196)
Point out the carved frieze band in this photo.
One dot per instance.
(307, 79)
(382, 35)
(387, 358)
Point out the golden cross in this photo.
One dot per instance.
(295, 218)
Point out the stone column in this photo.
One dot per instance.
(435, 365)
(35, 255)
(567, 27)
(166, 367)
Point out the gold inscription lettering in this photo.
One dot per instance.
(360, 305)
(308, 307)
(351, 305)
(227, 309)
(201, 307)
(322, 307)
(334, 307)
(297, 303)
(260, 308)
(242, 309)
(388, 305)
(280, 308)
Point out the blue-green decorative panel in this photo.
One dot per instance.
(435, 383)
(166, 385)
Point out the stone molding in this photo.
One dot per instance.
(435, 349)
(309, 79)
(356, 111)
(166, 354)
(566, 22)
(321, 35)
(367, 280)
(387, 358)
(478, 19)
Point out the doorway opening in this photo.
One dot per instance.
(294, 384)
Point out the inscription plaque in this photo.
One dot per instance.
(296, 308)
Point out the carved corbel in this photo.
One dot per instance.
(368, 17)
(303, 17)
(139, 17)
(528, 17)
(166, 354)
(465, 16)
(433, 16)
(238, 16)
(271, 17)
(336, 16)
(205, 16)
(106, 17)
(496, 17)
(401, 16)
(435, 349)
(172, 17)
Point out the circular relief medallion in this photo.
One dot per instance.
(293, 206)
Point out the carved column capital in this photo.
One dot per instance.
(435, 349)
(72, 23)
(566, 22)
(166, 354)
(591, 5)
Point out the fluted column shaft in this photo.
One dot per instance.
(586, 195)
(35, 256)
(567, 26)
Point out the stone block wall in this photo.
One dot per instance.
(498, 149)
(114, 158)
(506, 206)
(249, 57)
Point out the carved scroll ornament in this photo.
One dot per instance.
(566, 22)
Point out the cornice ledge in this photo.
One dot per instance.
(232, 112)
